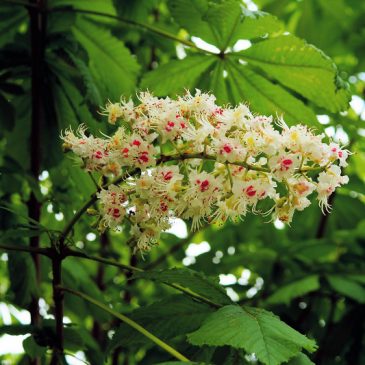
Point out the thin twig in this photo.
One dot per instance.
(37, 250)
(131, 323)
(197, 296)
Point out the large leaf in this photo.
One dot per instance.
(222, 23)
(192, 280)
(254, 330)
(110, 61)
(256, 24)
(175, 76)
(166, 319)
(266, 97)
(301, 67)
(231, 22)
(189, 14)
(287, 293)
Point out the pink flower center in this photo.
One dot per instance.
(116, 213)
(250, 191)
(167, 175)
(227, 148)
(143, 157)
(204, 185)
(286, 163)
(98, 154)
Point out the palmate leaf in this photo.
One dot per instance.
(283, 72)
(174, 76)
(301, 67)
(232, 22)
(266, 97)
(194, 281)
(189, 14)
(166, 319)
(255, 24)
(254, 330)
(110, 61)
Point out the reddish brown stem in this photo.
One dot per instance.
(37, 38)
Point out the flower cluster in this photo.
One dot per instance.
(190, 158)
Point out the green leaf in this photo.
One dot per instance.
(266, 97)
(16, 329)
(175, 76)
(301, 359)
(287, 293)
(7, 114)
(191, 280)
(302, 68)
(231, 21)
(217, 82)
(166, 319)
(254, 330)
(111, 62)
(189, 14)
(255, 24)
(11, 17)
(347, 287)
(92, 90)
(179, 363)
(22, 278)
(73, 339)
(32, 348)
(224, 18)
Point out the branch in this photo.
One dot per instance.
(58, 302)
(131, 323)
(36, 250)
(70, 252)
(37, 28)
(22, 3)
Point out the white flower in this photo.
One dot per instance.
(195, 160)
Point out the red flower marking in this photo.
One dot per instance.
(250, 191)
(286, 163)
(136, 142)
(143, 157)
(169, 126)
(227, 148)
(116, 213)
(98, 154)
(163, 206)
(167, 175)
(204, 185)
(125, 152)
